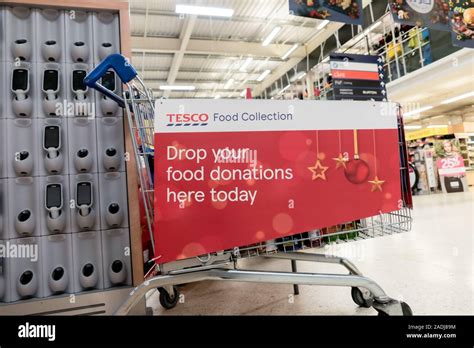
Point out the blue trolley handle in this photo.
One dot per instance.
(121, 66)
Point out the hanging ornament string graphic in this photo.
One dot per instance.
(356, 170)
(318, 170)
(376, 183)
(341, 159)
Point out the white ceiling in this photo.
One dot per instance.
(208, 51)
(447, 78)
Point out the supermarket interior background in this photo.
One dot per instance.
(72, 137)
(220, 57)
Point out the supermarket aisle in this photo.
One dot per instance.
(430, 268)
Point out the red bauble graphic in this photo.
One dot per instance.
(356, 171)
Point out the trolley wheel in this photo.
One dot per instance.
(359, 299)
(406, 310)
(168, 300)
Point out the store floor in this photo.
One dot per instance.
(430, 268)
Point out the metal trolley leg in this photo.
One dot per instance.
(322, 258)
(296, 288)
(382, 303)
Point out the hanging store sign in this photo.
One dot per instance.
(345, 11)
(245, 171)
(358, 77)
(456, 16)
(462, 22)
(424, 13)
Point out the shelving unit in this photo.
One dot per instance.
(470, 149)
(467, 151)
(463, 149)
(105, 298)
(428, 177)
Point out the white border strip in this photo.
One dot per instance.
(280, 115)
(367, 67)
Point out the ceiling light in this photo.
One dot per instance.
(290, 51)
(417, 111)
(177, 88)
(301, 75)
(284, 89)
(228, 84)
(204, 10)
(246, 64)
(459, 97)
(371, 28)
(438, 126)
(242, 94)
(376, 25)
(322, 24)
(263, 75)
(217, 96)
(271, 36)
(412, 127)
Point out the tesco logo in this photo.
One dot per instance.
(185, 120)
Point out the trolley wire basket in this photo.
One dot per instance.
(138, 102)
(375, 226)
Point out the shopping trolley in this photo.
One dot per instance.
(138, 102)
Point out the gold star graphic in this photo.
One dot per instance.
(341, 161)
(319, 171)
(377, 184)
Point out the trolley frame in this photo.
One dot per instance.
(138, 102)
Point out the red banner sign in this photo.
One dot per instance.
(245, 171)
